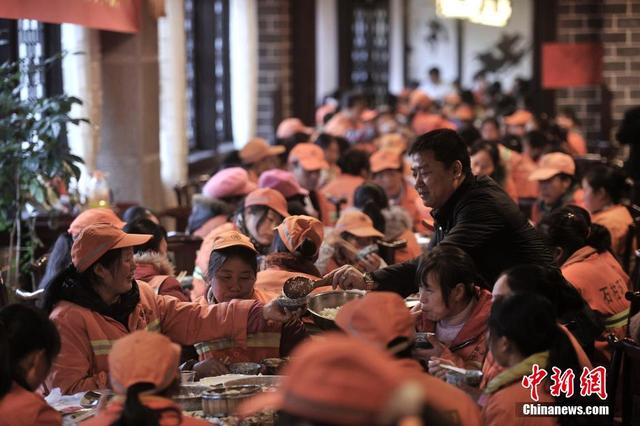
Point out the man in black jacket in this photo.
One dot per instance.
(472, 213)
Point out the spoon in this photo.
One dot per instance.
(90, 399)
(299, 287)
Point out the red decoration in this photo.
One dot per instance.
(113, 15)
(571, 65)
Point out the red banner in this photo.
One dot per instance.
(571, 65)
(113, 15)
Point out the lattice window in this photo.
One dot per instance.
(208, 79)
(370, 47)
(31, 51)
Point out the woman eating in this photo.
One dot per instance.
(96, 301)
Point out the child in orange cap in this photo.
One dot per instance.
(353, 242)
(555, 175)
(306, 162)
(96, 301)
(387, 169)
(296, 245)
(261, 211)
(382, 319)
(143, 367)
(232, 275)
(30, 343)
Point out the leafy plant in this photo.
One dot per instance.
(32, 154)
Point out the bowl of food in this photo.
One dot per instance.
(189, 397)
(248, 368)
(324, 307)
(223, 400)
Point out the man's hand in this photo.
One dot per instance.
(369, 263)
(347, 278)
(272, 311)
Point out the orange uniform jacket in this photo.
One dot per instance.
(617, 220)
(271, 281)
(454, 403)
(21, 407)
(602, 283)
(501, 407)
(411, 202)
(113, 411)
(469, 347)
(520, 166)
(576, 142)
(342, 186)
(160, 281)
(87, 336)
(491, 369)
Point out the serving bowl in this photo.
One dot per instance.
(189, 397)
(223, 400)
(329, 299)
(248, 368)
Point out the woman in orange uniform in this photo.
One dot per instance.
(141, 393)
(96, 301)
(524, 333)
(232, 275)
(454, 307)
(582, 251)
(604, 187)
(30, 343)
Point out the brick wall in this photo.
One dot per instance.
(274, 65)
(616, 24)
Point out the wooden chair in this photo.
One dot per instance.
(186, 191)
(183, 249)
(625, 365)
(179, 214)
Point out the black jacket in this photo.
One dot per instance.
(483, 220)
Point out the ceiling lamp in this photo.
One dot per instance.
(461, 9)
(495, 13)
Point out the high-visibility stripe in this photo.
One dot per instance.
(617, 320)
(154, 325)
(256, 340)
(101, 347)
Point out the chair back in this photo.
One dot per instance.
(182, 249)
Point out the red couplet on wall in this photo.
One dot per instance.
(113, 15)
(571, 65)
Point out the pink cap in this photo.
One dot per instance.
(282, 181)
(553, 164)
(231, 182)
(290, 126)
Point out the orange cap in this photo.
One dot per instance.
(392, 142)
(519, 118)
(268, 197)
(143, 357)
(206, 247)
(335, 379)
(385, 159)
(553, 164)
(295, 229)
(357, 223)
(96, 240)
(425, 122)
(310, 156)
(419, 100)
(257, 149)
(464, 112)
(290, 126)
(231, 239)
(378, 318)
(91, 216)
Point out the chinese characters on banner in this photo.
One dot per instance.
(592, 382)
(113, 15)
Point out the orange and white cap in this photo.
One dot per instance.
(378, 318)
(357, 223)
(295, 229)
(91, 216)
(385, 159)
(143, 357)
(257, 149)
(232, 239)
(310, 156)
(553, 164)
(327, 381)
(95, 240)
(268, 197)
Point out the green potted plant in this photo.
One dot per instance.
(34, 159)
